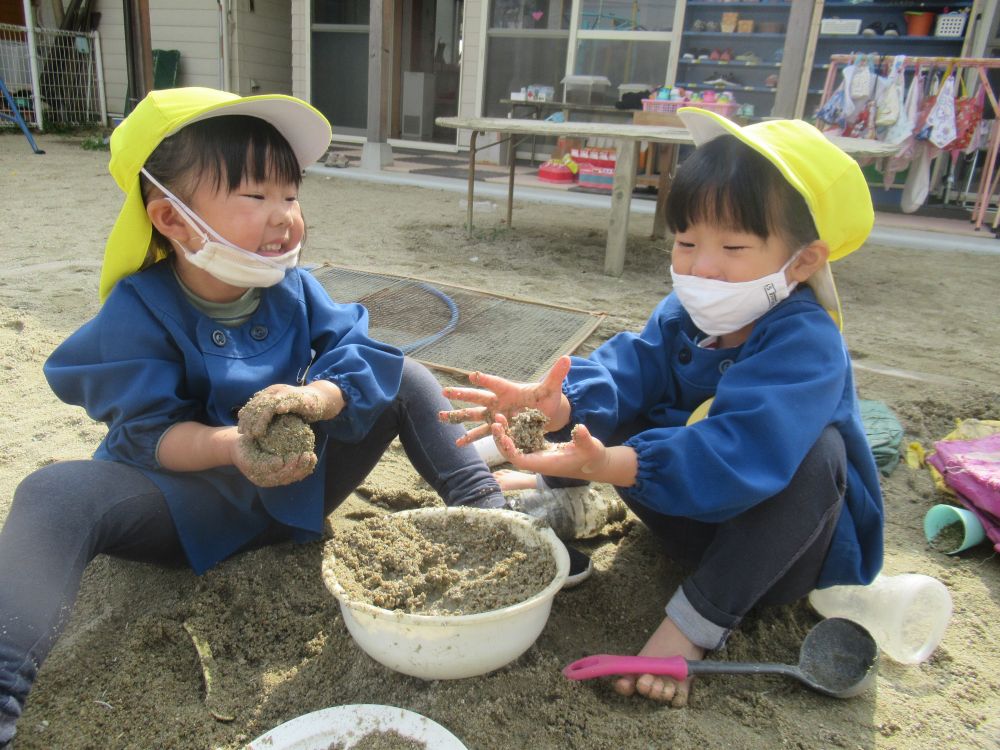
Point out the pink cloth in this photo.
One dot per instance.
(972, 469)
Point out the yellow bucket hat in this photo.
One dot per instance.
(161, 114)
(831, 182)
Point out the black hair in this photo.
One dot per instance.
(223, 151)
(727, 183)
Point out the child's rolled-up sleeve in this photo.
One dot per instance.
(625, 376)
(367, 371)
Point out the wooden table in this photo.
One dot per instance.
(627, 138)
(535, 109)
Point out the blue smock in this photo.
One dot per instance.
(774, 396)
(149, 359)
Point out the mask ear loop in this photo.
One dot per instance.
(197, 223)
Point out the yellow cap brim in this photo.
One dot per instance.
(829, 180)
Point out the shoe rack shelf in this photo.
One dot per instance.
(880, 15)
(764, 34)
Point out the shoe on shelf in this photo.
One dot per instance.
(687, 57)
(891, 29)
(571, 512)
(711, 26)
(726, 55)
(872, 29)
(715, 55)
(580, 568)
(698, 25)
(723, 81)
(771, 81)
(747, 57)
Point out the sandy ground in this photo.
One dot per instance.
(924, 330)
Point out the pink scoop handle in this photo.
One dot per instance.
(603, 665)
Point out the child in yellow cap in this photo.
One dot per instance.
(730, 424)
(204, 307)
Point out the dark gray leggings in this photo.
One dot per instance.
(67, 513)
(771, 554)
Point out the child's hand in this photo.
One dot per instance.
(267, 469)
(318, 400)
(585, 457)
(501, 396)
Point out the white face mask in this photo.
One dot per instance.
(224, 260)
(719, 307)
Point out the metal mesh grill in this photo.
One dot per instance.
(67, 66)
(459, 329)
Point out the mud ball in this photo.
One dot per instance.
(527, 430)
(287, 435)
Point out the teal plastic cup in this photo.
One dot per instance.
(942, 516)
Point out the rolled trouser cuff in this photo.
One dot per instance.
(696, 627)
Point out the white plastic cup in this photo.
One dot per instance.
(940, 516)
(487, 449)
(906, 614)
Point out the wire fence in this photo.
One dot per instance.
(55, 77)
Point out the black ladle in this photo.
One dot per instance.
(838, 658)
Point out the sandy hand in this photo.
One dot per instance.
(283, 455)
(257, 414)
(496, 395)
(581, 458)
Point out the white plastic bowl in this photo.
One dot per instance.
(448, 647)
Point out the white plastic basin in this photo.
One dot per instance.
(448, 647)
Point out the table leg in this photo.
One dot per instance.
(665, 163)
(621, 199)
(470, 193)
(510, 184)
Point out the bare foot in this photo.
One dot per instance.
(667, 640)
(508, 479)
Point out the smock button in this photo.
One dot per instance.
(725, 365)
(684, 356)
(218, 338)
(258, 333)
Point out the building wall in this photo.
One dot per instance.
(261, 50)
(191, 26)
(473, 56)
(300, 48)
(112, 33)
(472, 47)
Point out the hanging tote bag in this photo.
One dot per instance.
(918, 180)
(889, 95)
(968, 115)
(941, 118)
(901, 134)
(901, 131)
(838, 107)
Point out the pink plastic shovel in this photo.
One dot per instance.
(838, 658)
